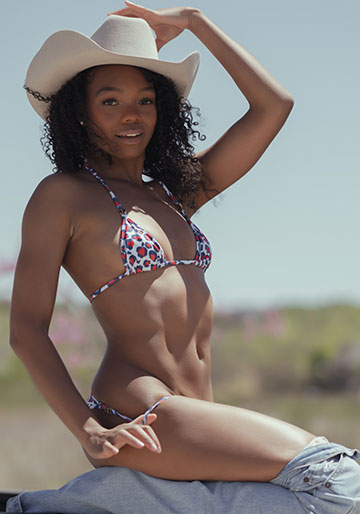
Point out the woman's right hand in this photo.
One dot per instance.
(103, 443)
(167, 23)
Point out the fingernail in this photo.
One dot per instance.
(154, 447)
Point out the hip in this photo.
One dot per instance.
(133, 391)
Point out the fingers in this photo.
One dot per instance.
(149, 438)
(150, 418)
(123, 12)
(154, 437)
(131, 10)
(136, 6)
(136, 434)
(130, 439)
(151, 432)
(107, 445)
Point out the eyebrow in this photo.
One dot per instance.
(112, 88)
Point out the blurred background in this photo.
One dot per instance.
(287, 297)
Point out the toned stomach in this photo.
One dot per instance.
(158, 326)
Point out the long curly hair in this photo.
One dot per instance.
(169, 156)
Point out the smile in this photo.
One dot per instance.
(130, 136)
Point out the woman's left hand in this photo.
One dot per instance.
(166, 23)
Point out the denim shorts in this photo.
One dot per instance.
(324, 477)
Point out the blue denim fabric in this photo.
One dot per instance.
(324, 477)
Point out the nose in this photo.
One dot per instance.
(130, 114)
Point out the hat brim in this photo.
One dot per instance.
(66, 53)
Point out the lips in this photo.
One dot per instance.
(130, 135)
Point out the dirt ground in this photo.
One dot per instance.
(37, 451)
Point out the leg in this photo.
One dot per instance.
(209, 441)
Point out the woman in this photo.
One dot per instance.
(112, 114)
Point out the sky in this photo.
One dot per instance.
(288, 232)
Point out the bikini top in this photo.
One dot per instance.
(140, 251)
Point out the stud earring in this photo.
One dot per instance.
(82, 123)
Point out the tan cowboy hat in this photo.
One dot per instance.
(119, 40)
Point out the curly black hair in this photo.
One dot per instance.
(169, 155)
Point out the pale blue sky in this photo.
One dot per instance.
(288, 232)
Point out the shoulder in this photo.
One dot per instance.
(56, 191)
(57, 185)
(52, 204)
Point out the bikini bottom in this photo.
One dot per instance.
(93, 403)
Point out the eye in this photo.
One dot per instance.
(147, 101)
(110, 101)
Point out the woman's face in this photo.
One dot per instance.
(122, 110)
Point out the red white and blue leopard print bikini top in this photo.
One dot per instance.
(140, 251)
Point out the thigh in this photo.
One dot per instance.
(209, 441)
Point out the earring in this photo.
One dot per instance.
(82, 123)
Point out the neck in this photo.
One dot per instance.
(128, 171)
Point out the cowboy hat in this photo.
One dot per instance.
(119, 40)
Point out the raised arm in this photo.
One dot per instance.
(46, 232)
(236, 152)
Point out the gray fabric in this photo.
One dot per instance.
(117, 490)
